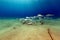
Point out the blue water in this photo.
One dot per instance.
(16, 8)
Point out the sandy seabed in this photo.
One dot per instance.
(14, 30)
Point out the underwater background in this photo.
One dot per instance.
(20, 20)
(23, 8)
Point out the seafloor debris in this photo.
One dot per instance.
(50, 34)
(35, 19)
(49, 15)
(30, 23)
(14, 27)
(41, 22)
